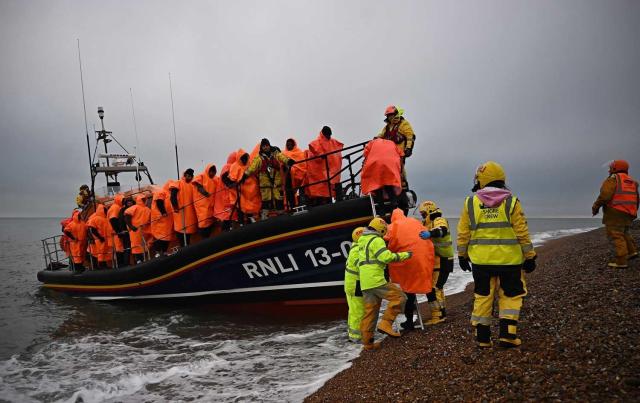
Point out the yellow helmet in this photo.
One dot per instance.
(488, 172)
(379, 225)
(355, 235)
(428, 207)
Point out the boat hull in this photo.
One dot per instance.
(297, 259)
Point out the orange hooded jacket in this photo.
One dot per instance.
(205, 206)
(78, 229)
(186, 209)
(114, 212)
(413, 275)
(140, 217)
(298, 171)
(98, 221)
(223, 204)
(250, 199)
(162, 226)
(381, 166)
(316, 169)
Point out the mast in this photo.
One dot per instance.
(86, 127)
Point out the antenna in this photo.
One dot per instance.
(86, 126)
(135, 129)
(175, 138)
(175, 144)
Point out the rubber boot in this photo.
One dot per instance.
(409, 307)
(483, 336)
(508, 333)
(437, 314)
(386, 327)
(632, 256)
(368, 343)
(619, 263)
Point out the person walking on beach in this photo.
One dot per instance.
(438, 231)
(373, 258)
(352, 288)
(494, 243)
(619, 200)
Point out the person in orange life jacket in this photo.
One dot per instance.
(161, 220)
(76, 231)
(184, 213)
(138, 219)
(98, 235)
(298, 172)
(119, 232)
(381, 172)
(399, 130)
(619, 200)
(319, 193)
(268, 165)
(223, 202)
(206, 184)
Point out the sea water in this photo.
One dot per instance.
(68, 350)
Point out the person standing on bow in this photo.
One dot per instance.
(206, 184)
(138, 218)
(619, 200)
(399, 130)
(323, 173)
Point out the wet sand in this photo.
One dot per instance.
(579, 328)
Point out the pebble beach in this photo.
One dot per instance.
(579, 329)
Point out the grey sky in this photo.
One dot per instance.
(550, 89)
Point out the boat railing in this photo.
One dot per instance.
(342, 189)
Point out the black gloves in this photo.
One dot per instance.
(408, 152)
(290, 162)
(465, 265)
(529, 265)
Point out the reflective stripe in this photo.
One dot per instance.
(472, 214)
(366, 249)
(483, 320)
(623, 202)
(493, 242)
(352, 271)
(380, 252)
(508, 206)
(509, 312)
(354, 331)
(526, 247)
(503, 224)
(369, 262)
(442, 243)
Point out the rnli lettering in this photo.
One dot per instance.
(270, 265)
(316, 257)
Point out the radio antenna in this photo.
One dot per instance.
(175, 137)
(135, 128)
(86, 126)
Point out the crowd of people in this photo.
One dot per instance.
(251, 186)
(396, 261)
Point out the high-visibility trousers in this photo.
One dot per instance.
(356, 312)
(372, 300)
(509, 285)
(622, 241)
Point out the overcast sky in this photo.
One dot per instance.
(550, 89)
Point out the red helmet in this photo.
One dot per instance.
(391, 109)
(619, 166)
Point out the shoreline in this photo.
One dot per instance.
(578, 328)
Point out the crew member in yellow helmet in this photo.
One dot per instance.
(493, 238)
(438, 231)
(352, 288)
(373, 259)
(398, 129)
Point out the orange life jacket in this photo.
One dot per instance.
(205, 205)
(625, 198)
(78, 229)
(223, 201)
(250, 199)
(140, 217)
(317, 168)
(98, 221)
(114, 212)
(298, 171)
(381, 166)
(413, 275)
(185, 219)
(162, 226)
